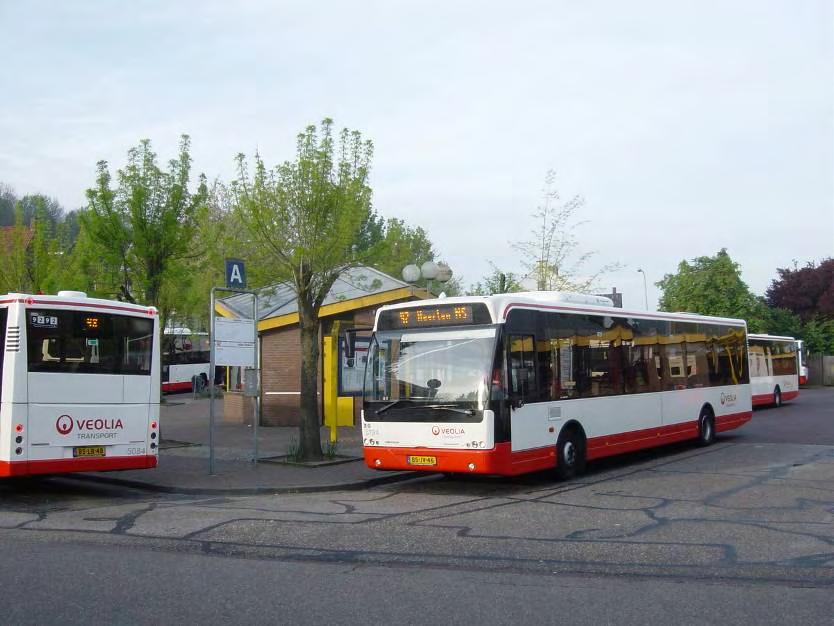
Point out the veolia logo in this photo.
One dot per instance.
(64, 425)
(728, 398)
(448, 431)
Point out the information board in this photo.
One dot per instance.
(234, 342)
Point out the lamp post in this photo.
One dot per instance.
(645, 290)
(428, 270)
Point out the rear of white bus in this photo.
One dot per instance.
(80, 386)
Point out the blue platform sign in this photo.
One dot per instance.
(235, 274)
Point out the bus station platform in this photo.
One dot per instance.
(184, 458)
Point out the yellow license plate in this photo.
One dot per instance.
(88, 451)
(422, 460)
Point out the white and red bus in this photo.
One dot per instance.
(185, 357)
(515, 383)
(79, 384)
(802, 360)
(774, 369)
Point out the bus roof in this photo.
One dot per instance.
(769, 337)
(499, 305)
(76, 299)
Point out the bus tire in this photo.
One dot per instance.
(777, 397)
(706, 427)
(570, 453)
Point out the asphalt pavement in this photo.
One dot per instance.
(184, 455)
(185, 448)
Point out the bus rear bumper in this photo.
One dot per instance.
(64, 466)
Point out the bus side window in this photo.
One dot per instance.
(523, 368)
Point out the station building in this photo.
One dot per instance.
(347, 315)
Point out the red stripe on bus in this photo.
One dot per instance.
(764, 399)
(62, 466)
(502, 460)
(184, 386)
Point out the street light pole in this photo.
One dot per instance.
(428, 270)
(645, 290)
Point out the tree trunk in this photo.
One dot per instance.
(310, 427)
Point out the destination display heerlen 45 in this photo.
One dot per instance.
(434, 315)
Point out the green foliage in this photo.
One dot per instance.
(142, 230)
(818, 335)
(311, 216)
(497, 281)
(399, 245)
(712, 286)
(312, 219)
(552, 256)
(8, 202)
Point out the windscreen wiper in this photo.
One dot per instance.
(382, 409)
(448, 407)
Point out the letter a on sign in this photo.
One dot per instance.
(235, 274)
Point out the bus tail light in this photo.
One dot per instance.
(19, 428)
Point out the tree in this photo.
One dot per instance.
(143, 229)
(551, 257)
(15, 242)
(712, 286)
(312, 217)
(33, 259)
(400, 245)
(807, 291)
(8, 203)
(818, 334)
(497, 281)
(806, 295)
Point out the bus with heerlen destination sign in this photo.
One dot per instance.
(79, 384)
(522, 382)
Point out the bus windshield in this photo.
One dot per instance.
(432, 375)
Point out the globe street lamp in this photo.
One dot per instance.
(428, 270)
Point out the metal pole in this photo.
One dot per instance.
(257, 398)
(211, 384)
(645, 290)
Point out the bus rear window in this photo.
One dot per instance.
(88, 342)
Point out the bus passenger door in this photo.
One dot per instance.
(530, 427)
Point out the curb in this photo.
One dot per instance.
(248, 491)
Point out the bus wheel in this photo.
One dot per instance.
(706, 427)
(570, 454)
(777, 397)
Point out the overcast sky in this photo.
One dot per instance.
(686, 126)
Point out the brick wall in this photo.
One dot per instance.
(281, 363)
(281, 358)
